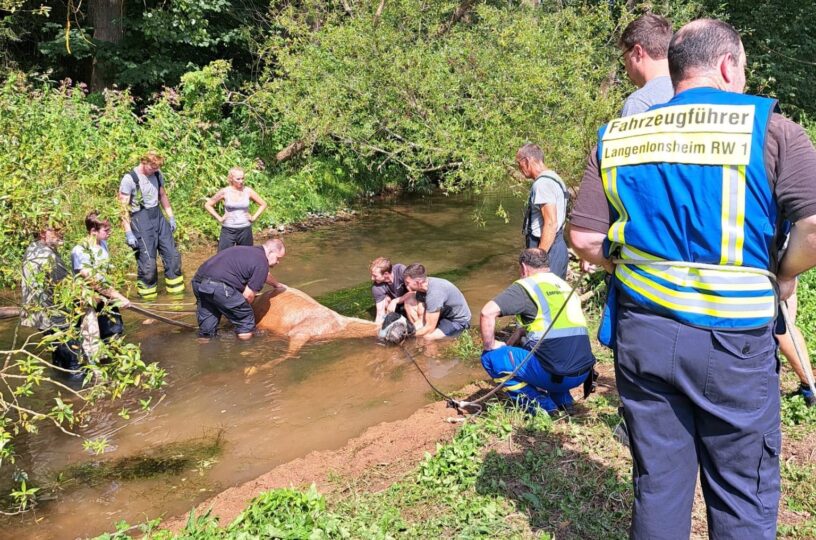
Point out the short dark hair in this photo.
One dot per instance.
(535, 258)
(94, 222)
(650, 31)
(699, 44)
(531, 151)
(414, 271)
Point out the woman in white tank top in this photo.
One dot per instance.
(236, 223)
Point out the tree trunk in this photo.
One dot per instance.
(106, 17)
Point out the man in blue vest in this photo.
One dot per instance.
(683, 205)
(563, 360)
(546, 210)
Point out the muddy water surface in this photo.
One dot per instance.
(329, 394)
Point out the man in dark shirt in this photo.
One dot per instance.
(563, 358)
(226, 284)
(389, 286)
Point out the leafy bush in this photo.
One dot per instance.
(452, 103)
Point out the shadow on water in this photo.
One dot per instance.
(328, 394)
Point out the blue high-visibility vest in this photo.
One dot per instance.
(686, 182)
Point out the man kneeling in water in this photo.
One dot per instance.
(563, 359)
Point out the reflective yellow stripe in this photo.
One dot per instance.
(177, 289)
(733, 215)
(697, 278)
(142, 287)
(740, 240)
(696, 302)
(610, 182)
(507, 378)
(174, 281)
(518, 386)
(724, 216)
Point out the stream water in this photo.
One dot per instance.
(329, 394)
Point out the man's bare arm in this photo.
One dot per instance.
(588, 244)
(799, 257)
(431, 320)
(549, 226)
(487, 326)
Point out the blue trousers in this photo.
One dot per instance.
(532, 385)
(699, 400)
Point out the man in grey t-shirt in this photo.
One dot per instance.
(644, 48)
(147, 230)
(445, 312)
(546, 208)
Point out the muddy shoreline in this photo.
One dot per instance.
(383, 454)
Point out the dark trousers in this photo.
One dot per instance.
(215, 299)
(558, 254)
(153, 235)
(697, 399)
(234, 237)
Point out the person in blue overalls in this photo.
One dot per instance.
(563, 359)
(683, 205)
(546, 210)
(147, 231)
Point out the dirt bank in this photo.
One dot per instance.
(383, 454)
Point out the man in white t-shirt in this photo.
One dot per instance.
(546, 208)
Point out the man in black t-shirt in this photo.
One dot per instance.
(226, 284)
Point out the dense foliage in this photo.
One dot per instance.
(140, 45)
(442, 101)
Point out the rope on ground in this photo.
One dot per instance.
(477, 403)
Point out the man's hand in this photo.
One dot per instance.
(392, 305)
(172, 224)
(130, 238)
(587, 267)
(786, 287)
(495, 345)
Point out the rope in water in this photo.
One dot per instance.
(161, 318)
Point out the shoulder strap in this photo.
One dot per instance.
(138, 194)
(558, 182)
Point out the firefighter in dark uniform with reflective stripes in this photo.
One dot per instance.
(563, 360)
(147, 230)
(683, 205)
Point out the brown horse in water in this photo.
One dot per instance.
(298, 316)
